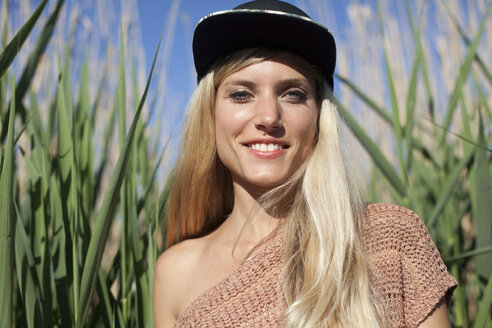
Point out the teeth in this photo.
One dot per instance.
(266, 147)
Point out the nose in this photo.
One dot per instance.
(268, 114)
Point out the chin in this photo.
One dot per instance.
(265, 183)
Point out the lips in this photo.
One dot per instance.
(266, 149)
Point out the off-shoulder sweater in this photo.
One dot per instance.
(406, 271)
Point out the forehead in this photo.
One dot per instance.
(281, 62)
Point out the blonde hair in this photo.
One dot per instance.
(326, 276)
(201, 189)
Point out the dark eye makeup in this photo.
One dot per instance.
(240, 96)
(291, 91)
(295, 95)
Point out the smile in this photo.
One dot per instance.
(263, 147)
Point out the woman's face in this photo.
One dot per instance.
(265, 119)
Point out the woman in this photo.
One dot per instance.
(265, 224)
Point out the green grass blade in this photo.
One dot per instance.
(482, 205)
(138, 252)
(22, 130)
(466, 134)
(105, 215)
(465, 255)
(392, 91)
(66, 172)
(3, 97)
(484, 306)
(99, 94)
(422, 58)
(105, 298)
(4, 26)
(74, 209)
(85, 150)
(7, 217)
(64, 140)
(104, 156)
(33, 61)
(61, 256)
(487, 73)
(410, 109)
(39, 217)
(150, 185)
(465, 139)
(372, 149)
(27, 277)
(483, 98)
(136, 242)
(39, 157)
(366, 99)
(462, 76)
(448, 186)
(124, 192)
(9, 53)
(121, 94)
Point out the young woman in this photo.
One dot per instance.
(266, 227)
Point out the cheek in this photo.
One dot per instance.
(230, 121)
(220, 134)
(223, 125)
(309, 141)
(226, 129)
(306, 128)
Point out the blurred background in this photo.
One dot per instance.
(85, 215)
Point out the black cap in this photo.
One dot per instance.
(263, 23)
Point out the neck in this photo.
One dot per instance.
(249, 222)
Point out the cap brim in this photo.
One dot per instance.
(224, 32)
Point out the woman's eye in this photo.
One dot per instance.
(297, 96)
(240, 96)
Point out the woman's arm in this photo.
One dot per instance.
(164, 291)
(438, 318)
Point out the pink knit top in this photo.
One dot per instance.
(406, 270)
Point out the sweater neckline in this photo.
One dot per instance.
(271, 245)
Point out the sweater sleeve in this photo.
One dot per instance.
(409, 272)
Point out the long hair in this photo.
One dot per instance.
(325, 280)
(326, 275)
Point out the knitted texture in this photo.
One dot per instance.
(249, 297)
(405, 269)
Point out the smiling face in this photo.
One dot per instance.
(265, 120)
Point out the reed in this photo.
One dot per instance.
(66, 183)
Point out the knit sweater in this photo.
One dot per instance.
(406, 270)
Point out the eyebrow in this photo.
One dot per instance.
(295, 80)
(251, 84)
(246, 83)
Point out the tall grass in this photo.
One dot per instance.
(66, 183)
(80, 205)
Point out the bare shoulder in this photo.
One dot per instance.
(173, 273)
